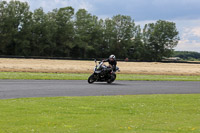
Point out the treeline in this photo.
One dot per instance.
(66, 33)
(187, 55)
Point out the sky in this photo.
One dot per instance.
(185, 13)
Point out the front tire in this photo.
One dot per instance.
(91, 79)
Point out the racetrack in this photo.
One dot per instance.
(52, 88)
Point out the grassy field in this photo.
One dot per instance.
(82, 76)
(110, 114)
(80, 70)
(70, 66)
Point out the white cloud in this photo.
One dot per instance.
(188, 45)
(189, 35)
(18, 0)
(85, 5)
(77, 4)
(48, 5)
(196, 31)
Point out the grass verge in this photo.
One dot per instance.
(76, 76)
(110, 114)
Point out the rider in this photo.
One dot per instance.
(112, 62)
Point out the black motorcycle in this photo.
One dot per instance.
(102, 73)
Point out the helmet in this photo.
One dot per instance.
(112, 57)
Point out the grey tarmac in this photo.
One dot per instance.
(52, 88)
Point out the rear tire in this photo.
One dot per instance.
(91, 79)
(112, 78)
(109, 81)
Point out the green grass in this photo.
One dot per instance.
(68, 76)
(157, 77)
(43, 76)
(111, 114)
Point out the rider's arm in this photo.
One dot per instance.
(114, 66)
(106, 60)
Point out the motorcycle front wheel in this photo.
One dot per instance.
(91, 79)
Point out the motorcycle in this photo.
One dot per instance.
(102, 73)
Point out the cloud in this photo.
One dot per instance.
(77, 4)
(189, 35)
(18, 0)
(188, 45)
(196, 31)
(140, 10)
(49, 5)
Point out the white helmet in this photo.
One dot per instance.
(112, 56)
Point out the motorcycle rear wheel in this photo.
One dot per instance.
(112, 79)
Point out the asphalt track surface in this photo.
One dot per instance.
(53, 88)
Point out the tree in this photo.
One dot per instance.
(124, 28)
(159, 39)
(109, 38)
(3, 31)
(83, 30)
(136, 50)
(82, 35)
(23, 46)
(65, 31)
(41, 34)
(14, 16)
(95, 43)
(187, 55)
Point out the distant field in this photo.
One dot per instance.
(71, 66)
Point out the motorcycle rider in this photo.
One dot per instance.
(103, 73)
(112, 62)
